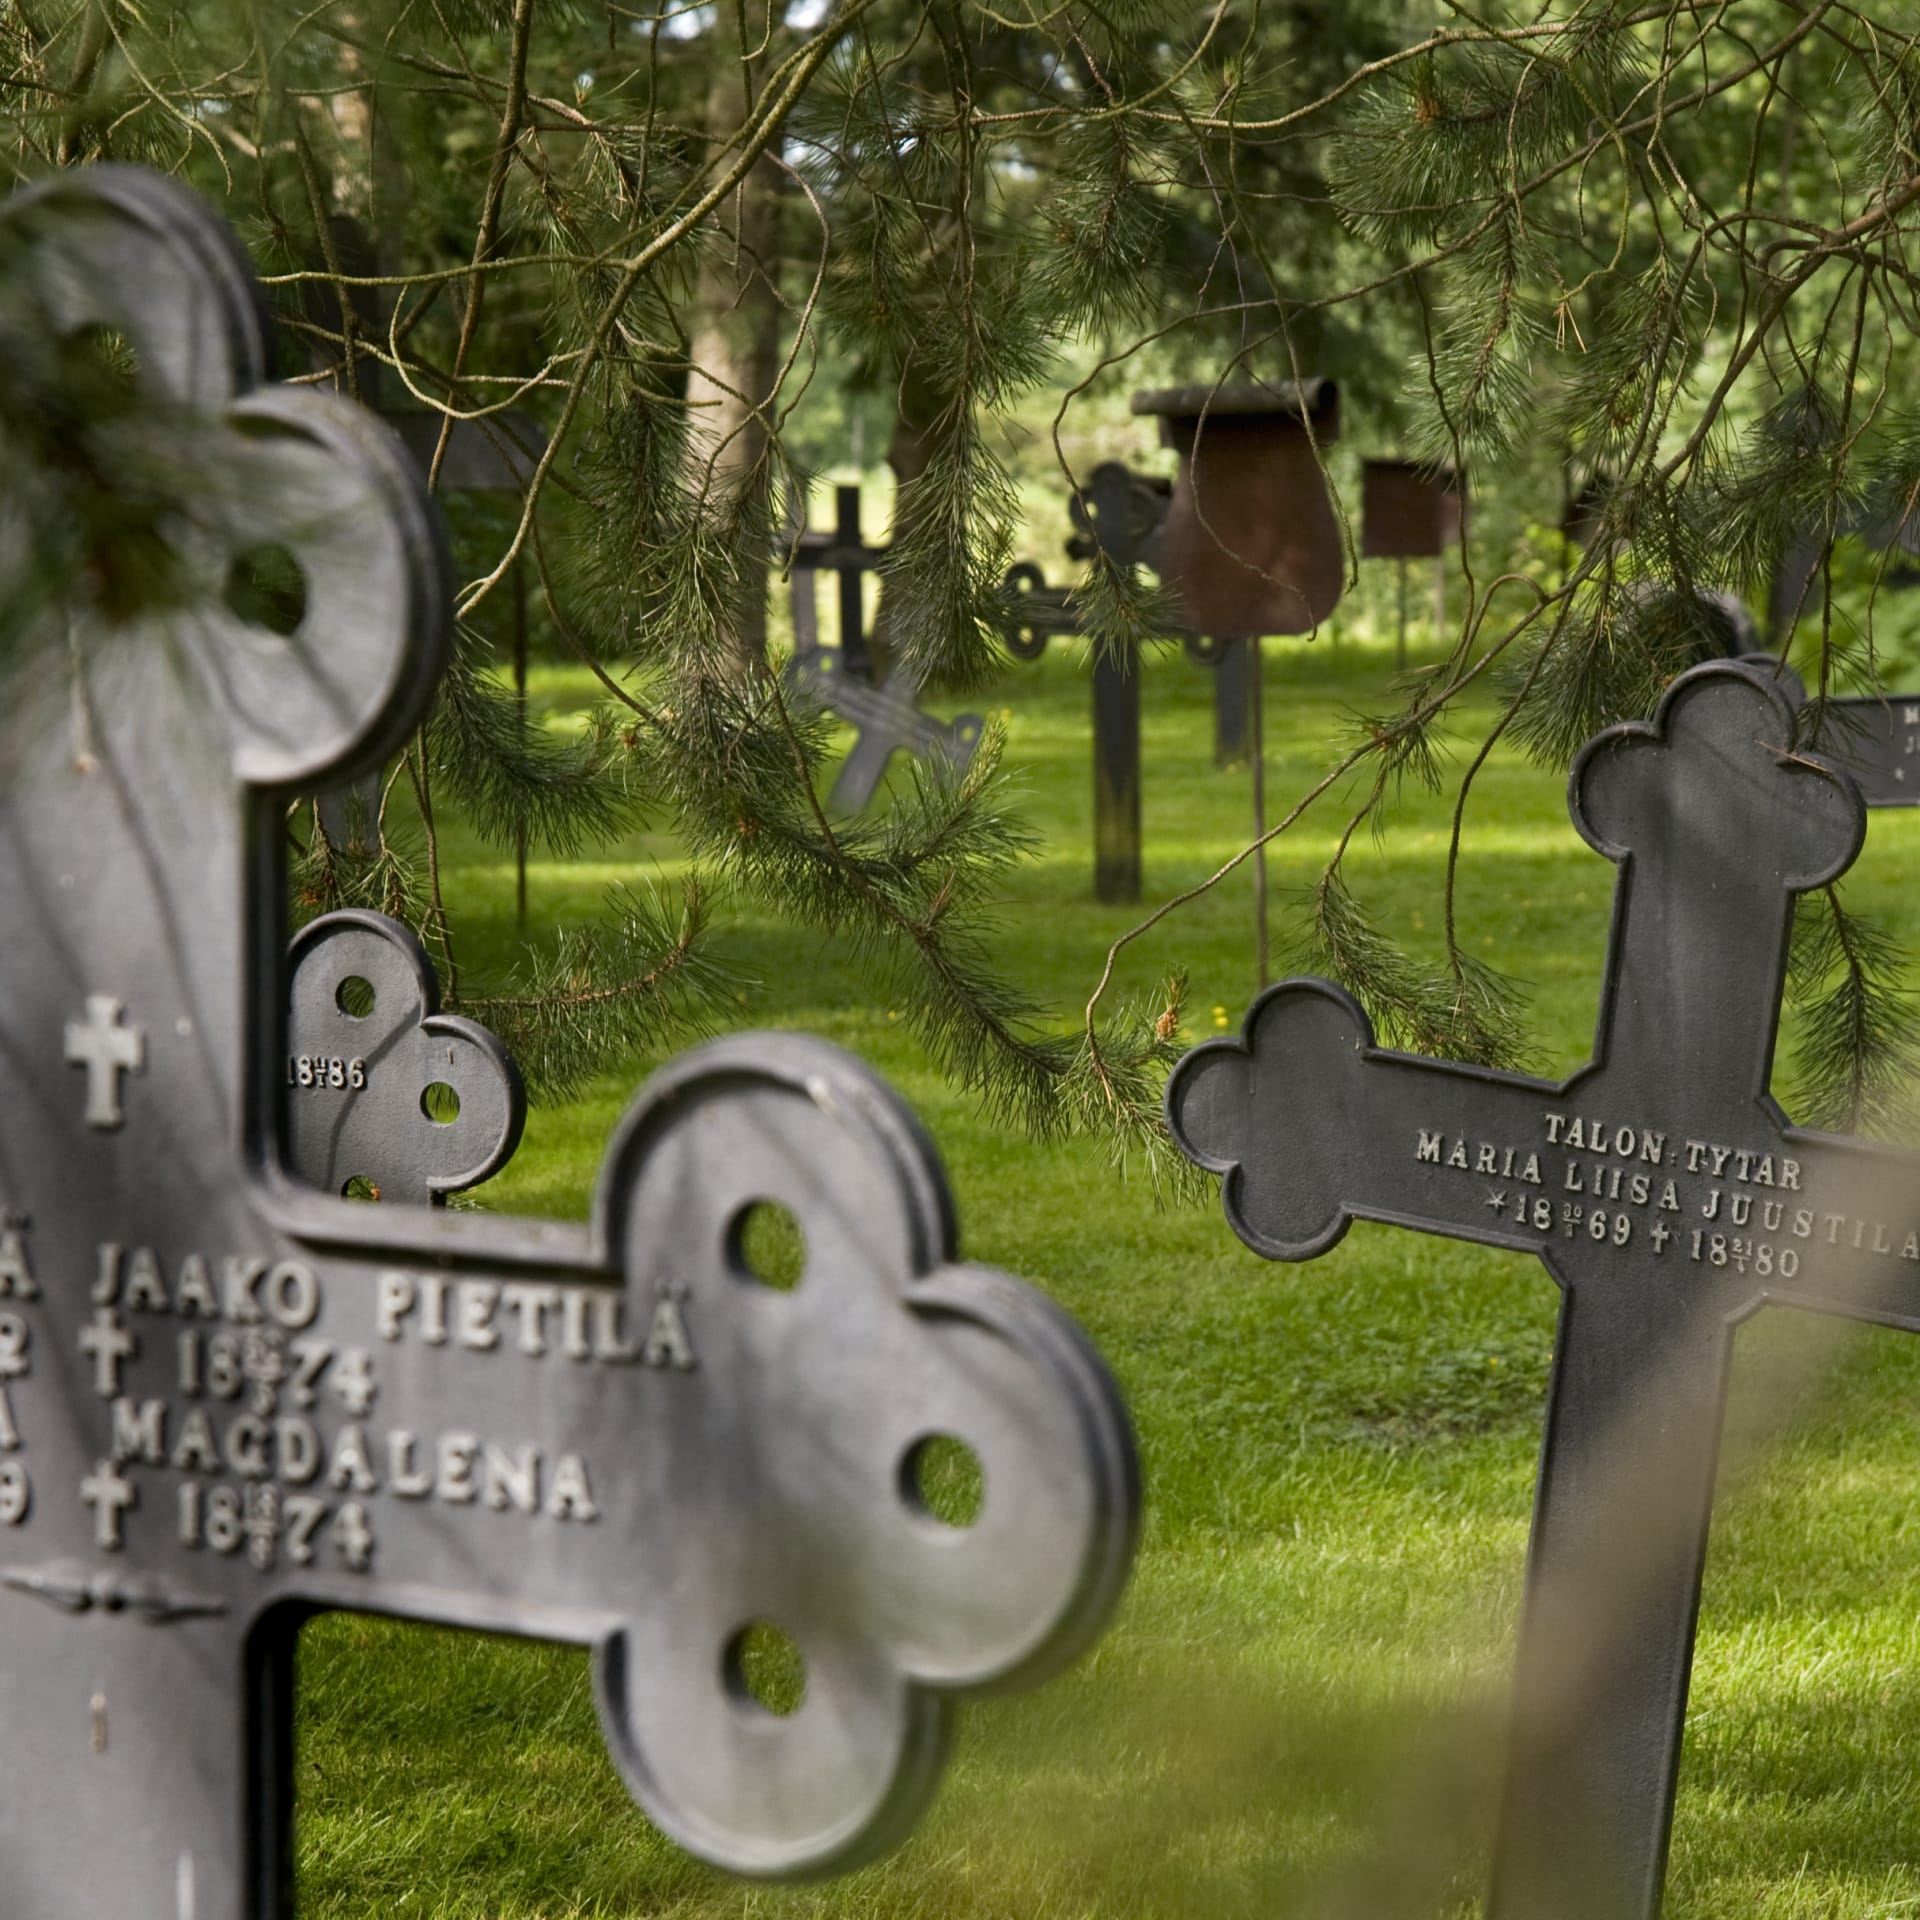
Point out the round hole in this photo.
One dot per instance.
(354, 997)
(101, 368)
(764, 1670)
(266, 588)
(359, 1188)
(440, 1103)
(941, 1477)
(767, 1245)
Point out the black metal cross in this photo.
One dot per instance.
(384, 1091)
(1667, 1195)
(230, 1400)
(1875, 736)
(886, 718)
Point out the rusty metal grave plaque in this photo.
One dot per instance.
(228, 1401)
(1251, 545)
(1669, 1199)
(388, 1098)
(886, 719)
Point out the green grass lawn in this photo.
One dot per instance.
(1299, 1707)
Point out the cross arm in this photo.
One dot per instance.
(1312, 1125)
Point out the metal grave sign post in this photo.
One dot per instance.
(1668, 1197)
(383, 1089)
(230, 1400)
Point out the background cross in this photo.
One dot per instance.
(1716, 822)
(382, 1087)
(887, 718)
(613, 1435)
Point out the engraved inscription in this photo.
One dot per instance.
(246, 1429)
(1627, 1177)
(325, 1070)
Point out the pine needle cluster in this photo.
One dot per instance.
(1654, 260)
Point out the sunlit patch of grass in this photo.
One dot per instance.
(1299, 1709)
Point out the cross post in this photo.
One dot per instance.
(1669, 1199)
(238, 1401)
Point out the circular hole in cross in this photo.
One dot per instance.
(359, 1188)
(765, 1244)
(440, 1103)
(942, 1478)
(99, 370)
(266, 588)
(354, 997)
(763, 1669)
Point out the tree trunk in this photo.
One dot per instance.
(736, 346)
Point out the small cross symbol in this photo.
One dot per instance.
(109, 1494)
(1662, 1233)
(106, 1049)
(109, 1343)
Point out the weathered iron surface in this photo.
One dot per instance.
(227, 1400)
(1875, 736)
(1409, 511)
(1250, 545)
(385, 1093)
(1669, 1199)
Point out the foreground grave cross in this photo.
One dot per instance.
(228, 1401)
(1667, 1195)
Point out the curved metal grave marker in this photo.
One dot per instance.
(886, 718)
(383, 1089)
(229, 1400)
(1668, 1197)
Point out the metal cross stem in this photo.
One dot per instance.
(1668, 1197)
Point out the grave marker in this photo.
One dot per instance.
(1411, 511)
(1667, 1195)
(886, 718)
(1040, 611)
(383, 1089)
(230, 1401)
(1875, 736)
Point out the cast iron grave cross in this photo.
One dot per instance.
(1875, 736)
(885, 718)
(1668, 1197)
(382, 1087)
(228, 1401)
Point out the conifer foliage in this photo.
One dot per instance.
(1655, 255)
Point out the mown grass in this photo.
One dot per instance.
(1298, 1711)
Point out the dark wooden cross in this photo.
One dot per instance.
(228, 1400)
(886, 718)
(388, 1097)
(845, 554)
(1668, 1197)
